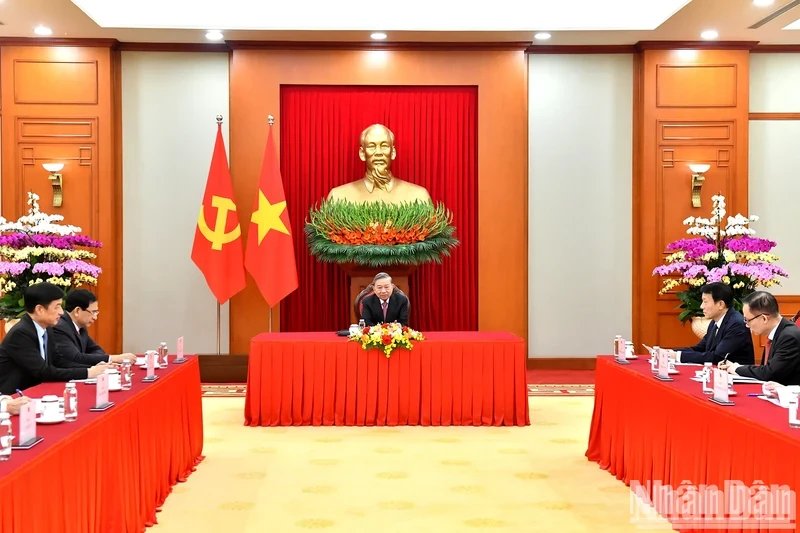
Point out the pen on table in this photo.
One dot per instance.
(20, 393)
(754, 394)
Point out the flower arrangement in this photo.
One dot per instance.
(37, 248)
(378, 234)
(731, 255)
(387, 337)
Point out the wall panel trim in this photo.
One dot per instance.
(774, 116)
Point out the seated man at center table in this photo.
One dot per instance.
(385, 305)
(28, 353)
(727, 334)
(72, 339)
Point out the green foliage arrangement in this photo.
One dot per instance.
(379, 234)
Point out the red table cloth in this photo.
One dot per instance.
(668, 434)
(107, 472)
(450, 378)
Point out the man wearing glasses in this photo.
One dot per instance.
(72, 339)
(781, 359)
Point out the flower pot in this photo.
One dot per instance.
(10, 323)
(700, 326)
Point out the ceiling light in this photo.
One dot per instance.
(214, 35)
(42, 30)
(762, 3)
(378, 36)
(543, 36)
(709, 35)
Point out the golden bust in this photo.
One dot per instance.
(378, 184)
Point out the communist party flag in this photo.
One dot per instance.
(270, 249)
(217, 249)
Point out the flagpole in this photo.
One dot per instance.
(219, 312)
(271, 122)
(218, 326)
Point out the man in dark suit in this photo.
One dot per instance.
(727, 333)
(385, 305)
(781, 359)
(28, 353)
(72, 339)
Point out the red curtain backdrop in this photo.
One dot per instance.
(436, 136)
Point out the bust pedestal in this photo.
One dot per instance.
(362, 275)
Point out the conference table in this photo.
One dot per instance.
(467, 378)
(663, 438)
(109, 471)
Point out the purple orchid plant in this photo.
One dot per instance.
(37, 248)
(730, 254)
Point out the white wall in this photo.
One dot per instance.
(580, 182)
(775, 159)
(774, 83)
(169, 104)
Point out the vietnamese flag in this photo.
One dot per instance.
(270, 250)
(217, 249)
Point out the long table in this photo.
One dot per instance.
(451, 378)
(660, 435)
(107, 472)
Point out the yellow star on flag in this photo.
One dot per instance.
(268, 216)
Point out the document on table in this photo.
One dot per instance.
(736, 379)
(772, 400)
(742, 379)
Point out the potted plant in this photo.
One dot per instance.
(36, 248)
(729, 253)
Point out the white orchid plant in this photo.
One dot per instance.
(729, 254)
(36, 248)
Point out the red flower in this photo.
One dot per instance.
(405, 329)
(387, 339)
(366, 331)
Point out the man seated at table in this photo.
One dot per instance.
(727, 333)
(385, 305)
(28, 353)
(781, 359)
(72, 339)
(12, 405)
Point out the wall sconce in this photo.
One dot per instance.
(55, 181)
(697, 181)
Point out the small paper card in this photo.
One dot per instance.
(102, 390)
(721, 387)
(150, 360)
(180, 358)
(620, 349)
(27, 424)
(663, 364)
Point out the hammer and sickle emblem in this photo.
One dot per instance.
(218, 236)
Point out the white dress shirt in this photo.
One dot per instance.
(40, 331)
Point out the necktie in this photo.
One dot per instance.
(766, 350)
(384, 306)
(44, 345)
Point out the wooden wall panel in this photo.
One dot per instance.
(55, 82)
(690, 108)
(684, 86)
(256, 77)
(58, 106)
